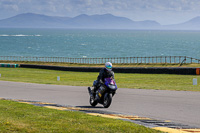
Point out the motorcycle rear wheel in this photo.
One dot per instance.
(107, 100)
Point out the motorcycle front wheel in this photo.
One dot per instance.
(93, 102)
(107, 100)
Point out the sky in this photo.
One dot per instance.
(163, 11)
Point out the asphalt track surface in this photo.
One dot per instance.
(176, 106)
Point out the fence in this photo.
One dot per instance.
(115, 60)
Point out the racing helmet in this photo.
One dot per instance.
(108, 66)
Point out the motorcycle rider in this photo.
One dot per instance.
(105, 72)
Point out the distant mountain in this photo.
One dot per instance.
(83, 21)
(100, 21)
(193, 24)
(30, 20)
(105, 21)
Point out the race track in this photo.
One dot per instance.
(177, 106)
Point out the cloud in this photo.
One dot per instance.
(8, 5)
(101, 5)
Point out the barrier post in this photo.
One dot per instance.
(194, 81)
(58, 78)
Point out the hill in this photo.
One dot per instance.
(193, 24)
(83, 21)
(30, 20)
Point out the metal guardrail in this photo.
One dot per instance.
(115, 60)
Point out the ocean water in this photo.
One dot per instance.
(98, 43)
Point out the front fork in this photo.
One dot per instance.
(89, 90)
(92, 95)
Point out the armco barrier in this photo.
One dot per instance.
(149, 70)
(62, 68)
(159, 70)
(9, 65)
(198, 71)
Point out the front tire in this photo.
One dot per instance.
(93, 102)
(107, 100)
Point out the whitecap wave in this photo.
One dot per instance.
(37, 35)
(19, 35)
(83, 44)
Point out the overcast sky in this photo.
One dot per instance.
(162, 11)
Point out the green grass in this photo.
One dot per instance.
(137, 81)
(19, 117)
(159, 81)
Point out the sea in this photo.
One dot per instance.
(83, 43)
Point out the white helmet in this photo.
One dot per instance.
(108, 66)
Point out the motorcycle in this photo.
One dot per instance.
(106, 91)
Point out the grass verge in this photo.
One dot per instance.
(137, 81)
(20, 117)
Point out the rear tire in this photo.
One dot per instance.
(107, 100)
